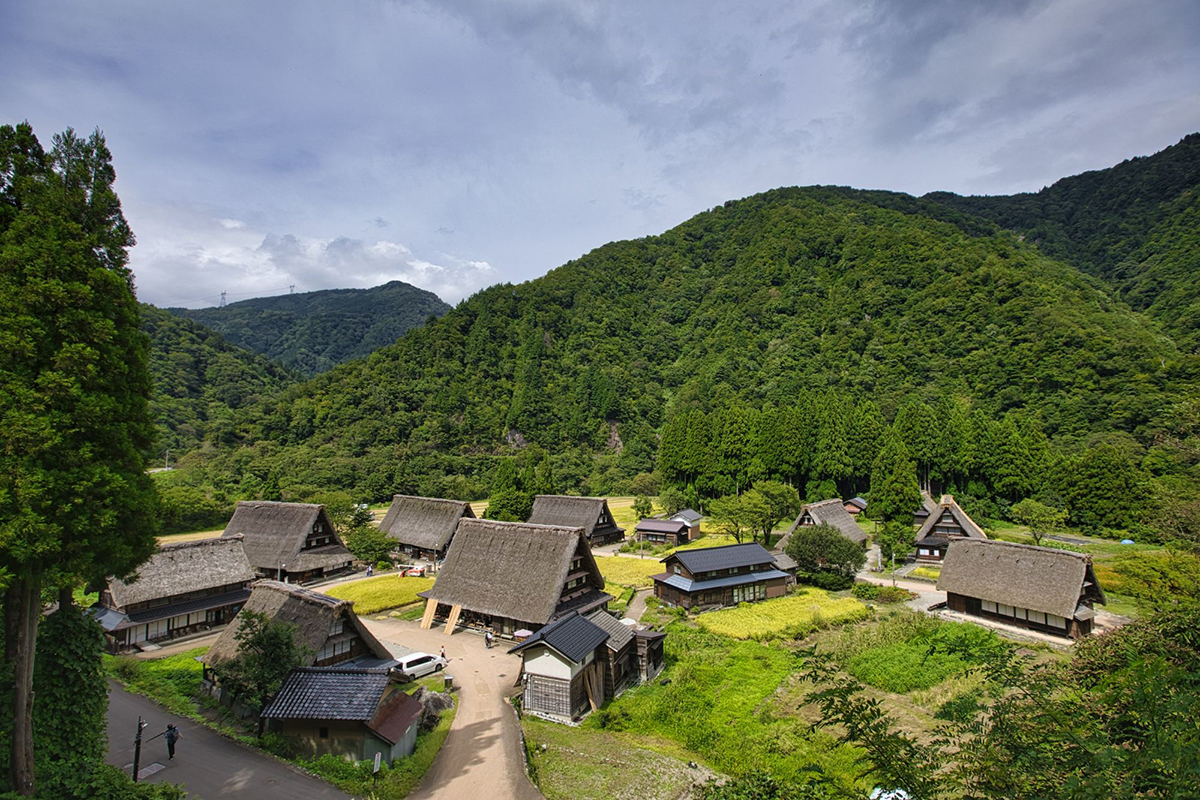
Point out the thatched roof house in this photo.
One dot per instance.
(589, 513)
(826, 512)
(326, 629)
(1034, 587)
(928, 506)
(349, 712)
(513, 575)
(947, 523)
(184, 588)
(423, 526)
(289, 541)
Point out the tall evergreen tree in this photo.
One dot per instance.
(866, 438)
(75, 502)
(894, 491)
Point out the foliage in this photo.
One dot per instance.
(827, 579)
(393, 782)
(864, 590)
(793, 616)
(75, 502)
(895, 538)
(642, 506)
(767, 504)
(823, 547)
(672, 500)
(727, 516)
(266, 652)
(369, 544)
(762, 786)
(1038, 517)
(171, 682)
(373, 595)
(313, 332)
(1154, 579)
(629, 571)
(894, 491)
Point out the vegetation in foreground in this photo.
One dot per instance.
(792, 617)
(381, 593)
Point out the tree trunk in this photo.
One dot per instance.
(23, 611)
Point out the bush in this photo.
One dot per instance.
(825, 579)
(793, 616)
(865, 591)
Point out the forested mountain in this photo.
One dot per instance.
(1136, 225)
(795, 300)
(200, 382)
(311, 332)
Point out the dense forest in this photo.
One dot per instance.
(1136, 225)
(311, 332)
(200, 382)
(766, 308)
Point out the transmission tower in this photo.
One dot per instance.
(291, 288)
(222, 303)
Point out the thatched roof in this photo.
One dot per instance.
(827, 512)
(511, 569)
(183, 568)
(572, 512)
(276, 532)
(1038, 578)
(424, 522)
(929, 528)
(313, 615)
(928, 506)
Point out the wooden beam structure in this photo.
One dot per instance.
(430, 609)
(455, 611)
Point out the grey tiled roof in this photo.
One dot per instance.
(707, 559)
(573, 636)
(683, 584)
(619, 633)
(331, 693)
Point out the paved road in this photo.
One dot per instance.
(482, 755)
(207, 764)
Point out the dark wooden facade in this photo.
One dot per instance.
(1022, 617)
(708, 578)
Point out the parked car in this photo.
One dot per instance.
(414, 665)
(415, 572)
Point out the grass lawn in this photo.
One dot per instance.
(628, 571)
(582, 763)
(373, 595)
(172, 682)
(793, 616)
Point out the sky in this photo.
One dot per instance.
(262, 148)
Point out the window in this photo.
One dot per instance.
(323, 732)
(1055, 621)
(338, 625)
(678, 571)
(734, 570)
(924, 551)
(1004, 610)
(989, 606)
(1038, 617)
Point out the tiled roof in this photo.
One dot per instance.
(662, 526)
(397, 714)
(573, 636)
(707, 559)
(316, 693)
(619, 633)
(688, 515)
(683, 584)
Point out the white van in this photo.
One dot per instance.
(414, 665)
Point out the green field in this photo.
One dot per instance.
(793, 616)
(373, 595)
(629, 571)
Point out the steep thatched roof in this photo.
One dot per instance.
(1038, 578)
(183, 568)
(511, 569)
(572, 512)
(312, 614)
(827, 512)
(960, 520)
(424, 522)
(928, 506)
(276, 532)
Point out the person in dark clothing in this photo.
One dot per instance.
(173, 736)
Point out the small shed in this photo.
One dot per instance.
(947, 523)
(855, 506)
(692, 518)
(663, 531)
(1040, 588)
(347, 712)
(185, 588)
(423, 526)
(589, 513)
(289, 541)
(563, 666)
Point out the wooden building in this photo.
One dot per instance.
(855, 506)
(353, 713)
(509, 576)
(327, 630)
(589, 513)
(663, 531)
(826, 512)
(946, 523)
(1040, 588)
(422, 527)
(720, 576)
(691, 518)
(289, 541)
(927, 508)
(184, 588)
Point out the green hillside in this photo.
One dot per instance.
(859, 296)
(201, 382)
(1135, 225)
(311, 332)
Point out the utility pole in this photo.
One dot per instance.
(167, 459)
(137, 749)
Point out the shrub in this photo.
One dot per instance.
(865, 591)
(793, 616)
(825, 579)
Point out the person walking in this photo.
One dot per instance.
(443, 652)
(173, 735)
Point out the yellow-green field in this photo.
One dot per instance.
(929, 573)
(795, 615)
(628, 571)
(378, 594)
